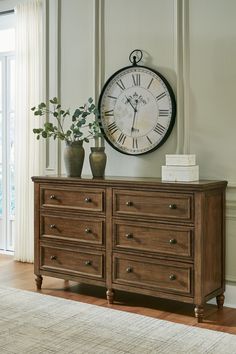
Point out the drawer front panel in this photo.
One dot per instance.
(158, 275)
(153, 238)
(163, 205)
(80, 199)
(83, 230)
(72, 262)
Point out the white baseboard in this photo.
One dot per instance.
(230, 296)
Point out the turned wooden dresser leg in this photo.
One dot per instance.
(220, 301)
(199, 313)
(110, 296)
(39, 280)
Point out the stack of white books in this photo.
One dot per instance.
(180, 168)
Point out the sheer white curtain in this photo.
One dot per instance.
(29, 154)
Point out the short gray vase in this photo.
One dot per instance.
(74, 158)
(98, 160)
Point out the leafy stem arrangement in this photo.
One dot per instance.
(79, 129)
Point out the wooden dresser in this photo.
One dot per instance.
(133, 234)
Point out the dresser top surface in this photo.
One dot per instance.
(132, 181)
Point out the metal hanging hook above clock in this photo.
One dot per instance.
(135, 56)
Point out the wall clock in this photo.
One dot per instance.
(136, 108)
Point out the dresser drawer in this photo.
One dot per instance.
(72, 262)
(156, 238)
(76, 199)
(153, 204)
(84, 230)
(150, 274)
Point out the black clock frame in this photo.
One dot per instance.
(173, 102)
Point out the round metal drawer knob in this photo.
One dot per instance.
(173, 206)
(129, 203)
(87, 200)
(52, 196)
(88, 263)
(52, 226)
(129, 236)
(172, 277)
(129, 270)
(173, 241)
(87, 230)
(53, 258)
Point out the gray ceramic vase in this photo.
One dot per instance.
(74, 158)
(97, 160)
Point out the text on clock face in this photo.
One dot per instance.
(136, 110)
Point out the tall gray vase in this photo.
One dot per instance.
(74, 158)
(98, 159)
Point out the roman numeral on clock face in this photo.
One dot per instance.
(135, 143)
(163, 112)
(136, 79)
(120, 84)
(159, 129)
(113, 97)
(109, 113)
(162, 95)
(121, 138)
(112, 127)
(148, 87)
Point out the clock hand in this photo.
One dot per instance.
(132, 128)
(134, 118)
(128, 100)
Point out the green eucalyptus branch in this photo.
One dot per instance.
(78, 121)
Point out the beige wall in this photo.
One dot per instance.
(212, 86)
(212, 128)
(193, 44)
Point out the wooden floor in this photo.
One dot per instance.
(20, 275)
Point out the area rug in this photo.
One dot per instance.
(33, 323)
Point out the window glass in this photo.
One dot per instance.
(0, 190)
(7, 40)
(12, 191)
(0, 164)
(0, 85)
(12, 183)
(12, 138)
(7, 20)
(7, 108)
(12, 84)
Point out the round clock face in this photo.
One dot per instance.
(137, 110)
